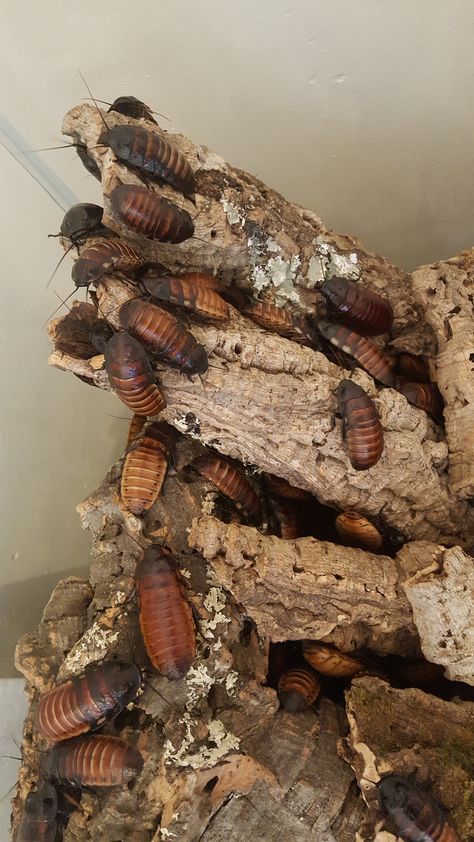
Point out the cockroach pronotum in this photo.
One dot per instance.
(166, 619)
(38, 820)
(276, 319)
(151, 155)
(358, 307)
(362, 428)
(415, 815)
(424, 396)
(150, 215)
(287, 518)
(131, 375)
(202, 300)
(230, 480)
(356, 531)
(130, 106)
(96, 760)
(86, 702)
(103, 257)
(164, 335)
(136, 426)
(366, 354)
(329, 661)
(412, 367)
(298, 689)
(82, 221)
(282, 488)
(145, 467)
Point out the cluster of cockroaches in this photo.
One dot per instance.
(67, 714)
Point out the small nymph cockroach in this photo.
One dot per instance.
(287, 518)
(363, 431)
(145, 466)
(354, 530)
(86, 702)
(231, 481)
(131, 375)
(329, 661)
(277, 319)
(425, 396)
(412, 367)
(366, 354)
(298, 688)
(103, 257)
(166, 619)
(151, 155)
(358, 307)
(183, 293)
(148, 214)
(95, 760)
(415, 815)
(282, 488)
(136, 426)
(164, 335)
(38, 820)
(132, 107)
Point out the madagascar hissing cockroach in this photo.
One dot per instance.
(282, 488)
(103, 257)
(329, 661)
(231, 481)
(298, 689)
(415, 815)
(131, 375)
(277, 319)
(166, 619)
(164, 335)
(287, 518)
(38, 819)
(145, 466)
(201, 279)
(363, 431)
(358, 307)
(136, 426)
(150, 215)
(82, 221)
(366, 354)
(151, 155)
(412, 367)
(425, 396)
(85, 702)
(95, 760)
(354, 530)
(183, 293)
(132, 107)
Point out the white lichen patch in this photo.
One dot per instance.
(199, 682)
(231, 680)
(188, 423)
(93, 646)
(166, 834)
(210, 160)
(120, 597)
(215, 603)
(326, 262)
(219, 743)
(184, 572)
(233, 214)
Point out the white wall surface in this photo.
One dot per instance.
(362, 111)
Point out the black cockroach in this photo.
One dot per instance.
(363, 431)
(151, 155)
(298, 689)
(82, 221)
(358, 307)
(38, 820)
(131, 375)
(164, 335)
(329, 661)
(103, 257)
(85, 702)
(425, 396)
(415, 815)
(94, 761)
(184, 293)
(354, 530)
(412, 367)
(366, 354)
(166, 619)
(230, 480)
(148, 214)
(145, 467)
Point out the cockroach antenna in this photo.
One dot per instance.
(94, 101)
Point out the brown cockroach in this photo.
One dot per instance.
(136, 426)
(287, 518)
(277, 320)
(151, 155)
(148, 214)
(298, 689)
(329, 661)
(231, 481)
(202, 300)
(354, 530)
(86, 702)
(412, 367)
(425, 396)
(95, 761)
(358, 307)
(131, 375)
(166, 619)
(363, 431)
(38, 820)
(103, 257)
(414, 814)
(145, 466)
(366, 354)
(282, 488)
(132, 107)
(201, 279)
(164, 335)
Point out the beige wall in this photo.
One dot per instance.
(362, 111)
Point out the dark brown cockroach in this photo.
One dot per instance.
(148, 214)
(287, 518)
(86, 702)
(298, 689)
(412, 367)
(164, 335)
(183, 293)
(366, 354)
(82, 221)
(282, 488)
(329, 661)
(166, 619)
(425, 396)
(358, 307)
(103, 257)
(38, 820)
(130, 106)
(151, 155)
(136, 426)
(231, 482)
(363, 431)
(201, 279)
(354, 530)
(277, 319)
(145, 466)
(131, 375)
(414, 814)
(95, 761)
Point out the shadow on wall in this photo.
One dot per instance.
(21, 608)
